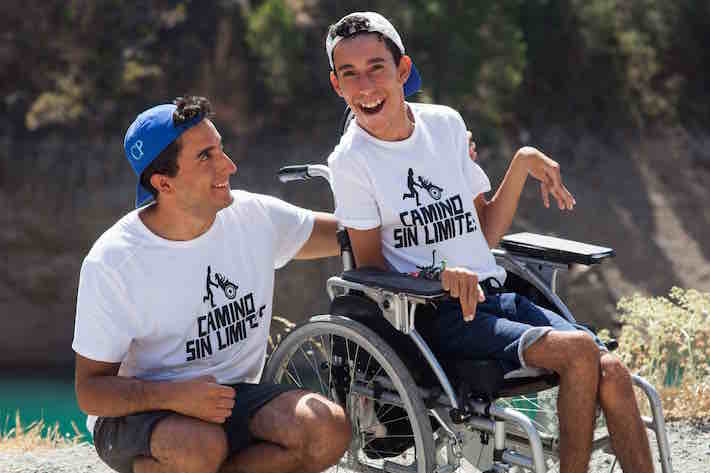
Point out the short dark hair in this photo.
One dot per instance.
(354, 25)
(165, 163)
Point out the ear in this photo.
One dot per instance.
(161, 183)
(335, 83)
(404, 69)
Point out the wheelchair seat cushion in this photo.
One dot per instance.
(492, 379)
(395, 282)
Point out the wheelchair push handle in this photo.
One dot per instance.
(303, 172)
(293, 173)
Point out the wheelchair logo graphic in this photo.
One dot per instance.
(137, 150)
(220, 281)
(432, 189)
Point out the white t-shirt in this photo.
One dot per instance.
(171, 310)
(420, 191)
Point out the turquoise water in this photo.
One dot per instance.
(49, 397)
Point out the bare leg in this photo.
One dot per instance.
(575, 358)
(301, 432)
(184, 444)
(626, 429)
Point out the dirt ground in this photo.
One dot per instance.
(690, 453)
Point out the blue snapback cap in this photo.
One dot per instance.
(149, 134)
(414, 82)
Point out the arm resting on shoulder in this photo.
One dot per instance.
(322, 242)
(367, 248)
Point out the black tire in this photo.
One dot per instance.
(348, 363)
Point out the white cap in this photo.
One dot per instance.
(373, 23)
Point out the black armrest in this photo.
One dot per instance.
(557, 250)
(396, 282)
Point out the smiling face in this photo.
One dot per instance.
(367, 77)
(201, 186)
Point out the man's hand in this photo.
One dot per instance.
(203, 398)
(547, 171)
(463, 284)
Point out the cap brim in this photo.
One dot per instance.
(143, 196)
(414, 82)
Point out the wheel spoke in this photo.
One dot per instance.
(391, 421)
(364, 368)
(314, 367)
(298, 381)
(330, 364)
(377, 373)
(379, 414)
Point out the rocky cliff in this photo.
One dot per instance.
(645, 196)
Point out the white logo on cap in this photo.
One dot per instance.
(137, 150)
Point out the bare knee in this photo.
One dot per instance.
(328, 433)
(324, 432)
(573, 353)
(188, 444)
(315, 430)
(585, 348)
(615, 385)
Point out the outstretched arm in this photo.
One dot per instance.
(497, 214)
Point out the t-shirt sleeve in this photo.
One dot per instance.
(104, 326)
(475, 177)
(355, 203)
(292, 227)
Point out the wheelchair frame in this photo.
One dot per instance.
(457, 416)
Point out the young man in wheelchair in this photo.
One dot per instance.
(393, 144)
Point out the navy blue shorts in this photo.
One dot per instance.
(504, 326)
(119, 440)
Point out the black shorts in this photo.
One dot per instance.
(119, 440)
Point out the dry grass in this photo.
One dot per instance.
(287, 326)
(36, 436)
(690, 401)
(667, 341)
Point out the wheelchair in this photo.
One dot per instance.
(413, 412)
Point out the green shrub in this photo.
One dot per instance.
(274, 36)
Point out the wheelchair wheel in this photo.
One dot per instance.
(348, 363)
